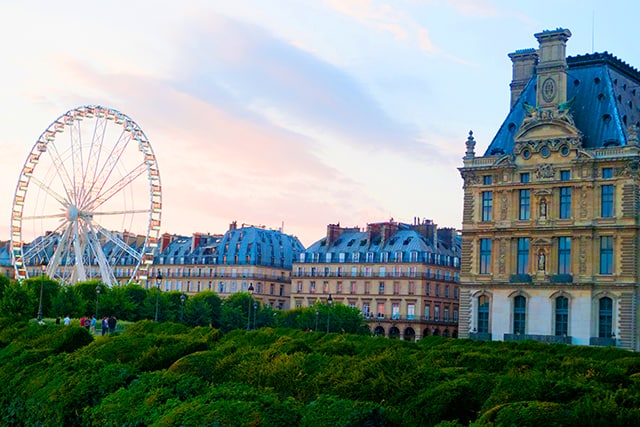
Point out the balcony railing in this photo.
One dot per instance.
(550, 339)
(520, 278)
(603, 342)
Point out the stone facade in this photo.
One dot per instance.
(551, 223)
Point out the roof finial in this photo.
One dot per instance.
(471, 144)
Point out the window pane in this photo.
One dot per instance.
(485, 256)
(525, 204)
(519, 314)
(523, 255)
(606, 255)
(564, 255)
(483, 314)
(606, 201)
(487, 205)
(562, 316)
(605, 317)
(565, 202)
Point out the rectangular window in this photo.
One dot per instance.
(437, 290)
(483, 314)
(299, 287)
(607, 173)
(383, 271)
(312, 287)
(412, 288)
(352, 287)
(565, 202)
(365, 310)
(411, 311)
(380, 310)
(381, 288)
(485, 256)
(562, 316)
(436, 313)
(427, 312)
(523, 255)
(446, 291)
(565, 175)
(339, 288)
(395, 311)
(606, 201)
(525, 177)
(354, 271)
(564, 255)
(606, 255)
(519, 314)
(487, 180)
(396, 288)
(367, 288)
(487, 205)
(525, 204)
(427, 289)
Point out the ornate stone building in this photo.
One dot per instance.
(551, 210)
(402, 277)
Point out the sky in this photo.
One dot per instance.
(287, 113)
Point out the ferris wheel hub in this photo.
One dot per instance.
(72, 213)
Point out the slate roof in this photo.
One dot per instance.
(405, 241)
(606, 94)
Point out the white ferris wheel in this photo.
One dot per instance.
(88, 201)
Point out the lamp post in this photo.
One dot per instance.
(255, 315)
(97, 299)
(158, 280)
(250, 290)
(44, 269)
(317, 313)
(182, 298)
(329, 301)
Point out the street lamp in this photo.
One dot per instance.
(317, 313)
(44, 270)
(255, 314)
(97, 299)
(250, 290)
(182, 298)
(329, 301)
(158, 281)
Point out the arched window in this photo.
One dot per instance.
(562, 316)
(605, 317)
(483, 314)
(519, 314)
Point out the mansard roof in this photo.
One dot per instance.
(257, 246)
(605, 94)
(405, 239)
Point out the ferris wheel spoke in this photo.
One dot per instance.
(79, 243)
(91, 163)
(101, 177)
(60, 252)
(117, 187)
(49, 191)
(106, 272)
(121, 212)
(118, 242)
(36, 247)
(61, 169)
(59, 215)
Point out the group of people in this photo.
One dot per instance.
(108, 323)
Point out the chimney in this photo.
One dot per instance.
(195, 241)
(552, 68)
(524, 64)
(233, 225)
(333, 232)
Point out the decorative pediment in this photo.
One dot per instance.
(541, 241)
(547, 123)
(543, 192)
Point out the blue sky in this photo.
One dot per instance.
(301, 113)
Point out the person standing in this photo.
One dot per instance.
(105, 325)
(112, 323)
(82, 319)
(67, 320)
(93, 324)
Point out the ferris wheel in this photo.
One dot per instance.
(88, 201)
